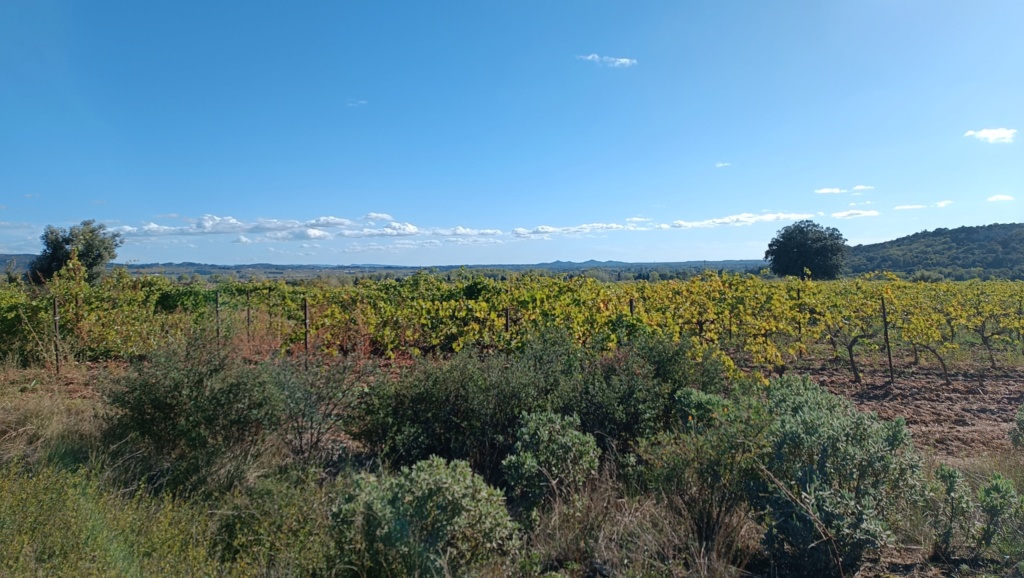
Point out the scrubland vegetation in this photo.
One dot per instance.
(529, 427)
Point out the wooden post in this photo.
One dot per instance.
(632, 307)
(216, 312)
(799, 323)
(507, 318)
(305, 316)
(249, 315)
(56, 333)
(888, 349)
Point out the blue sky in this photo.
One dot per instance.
(491, 131)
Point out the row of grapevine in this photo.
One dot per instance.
(741, 319)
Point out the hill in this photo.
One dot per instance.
(988, 251)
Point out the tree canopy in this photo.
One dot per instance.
(807, 246)
(93, 243)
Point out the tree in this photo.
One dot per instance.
(94, 244)
(807, 245)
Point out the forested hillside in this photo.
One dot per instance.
(995, 251)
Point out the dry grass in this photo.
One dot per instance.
(604, 528)
(48, 418)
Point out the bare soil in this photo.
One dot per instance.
(968, 419)
(956, 424)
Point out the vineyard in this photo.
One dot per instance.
(529, 426)
(746, 322)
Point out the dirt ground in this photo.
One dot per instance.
(968, 419)
(956, 424)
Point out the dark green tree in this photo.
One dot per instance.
(807, 245)
(95, 245)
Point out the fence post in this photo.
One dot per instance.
(632, 307)
(800, 310)
(56, 333)
(216, 310)
(507, 318)
(248, 314)
(305, 320)
(888, 349)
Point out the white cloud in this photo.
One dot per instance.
(855, 213)
(466, 232)
(545, 230)
(993, 135)
(275, 225)
(722, 165)
(863, 188)
(740, 220)
(637, 220)
(378, 217)
(829, 191)
(862, 204)
(299, 234)
(609, 61)
(909, 207)
(355, 102)
(942, 204)
(474, 240)
(998, 198)
(324, 222)
(243, 240)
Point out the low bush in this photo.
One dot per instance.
(831, 481)
(1017, 432)
(951, 513)
(703, 468)
(192, 417)
(552, 457)
(280, 526)
(435, 518)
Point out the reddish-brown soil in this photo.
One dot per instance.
(955, 423)
(969, 418)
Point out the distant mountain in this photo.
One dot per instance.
(989, 251)
(963, 253)
(21, 261)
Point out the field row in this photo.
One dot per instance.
(739, 319)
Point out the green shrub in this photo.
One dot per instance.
(831, 480)
(703, 468)
(1000, 506)
(1017, 432)
(281, 526)
(551, 457)
(193, 416)
(464, 408)
(316, 403)
(952, 513)
(432, 519)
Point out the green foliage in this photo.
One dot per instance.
(1017, 432)
(831, 480)
(552, 457)
(999, 505)
(807, 246)
(966, 527)
(316, 401)
(55, 523)
(988, 251)
(94, 245)
(189, 409)
(280, 526)
(433, 519)
(463, 409)
(952, 514)
(703, 467)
